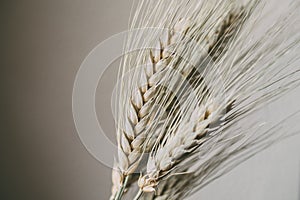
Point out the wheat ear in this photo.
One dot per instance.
(216, 45)
(197, 128)
(181, 144)
(132, 138)
(143, 108)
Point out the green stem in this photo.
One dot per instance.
(121, 191)
(139, 194)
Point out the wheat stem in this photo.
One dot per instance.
(121, 191)
(138, 195)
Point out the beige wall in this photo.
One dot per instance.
(44, 45)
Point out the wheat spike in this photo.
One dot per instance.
(227, 75)
(222, 33)
(143, 108)
(198, 128)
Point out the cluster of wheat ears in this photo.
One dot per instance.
(200, 69)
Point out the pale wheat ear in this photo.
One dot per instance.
(228, 78)
(142, 108)
(137, 102)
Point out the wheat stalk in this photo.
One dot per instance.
(235, 72)
(143, 109)
(134, 135)
(193, 133)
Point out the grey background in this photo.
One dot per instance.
(43, 45)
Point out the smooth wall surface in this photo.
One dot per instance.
(43, 44)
